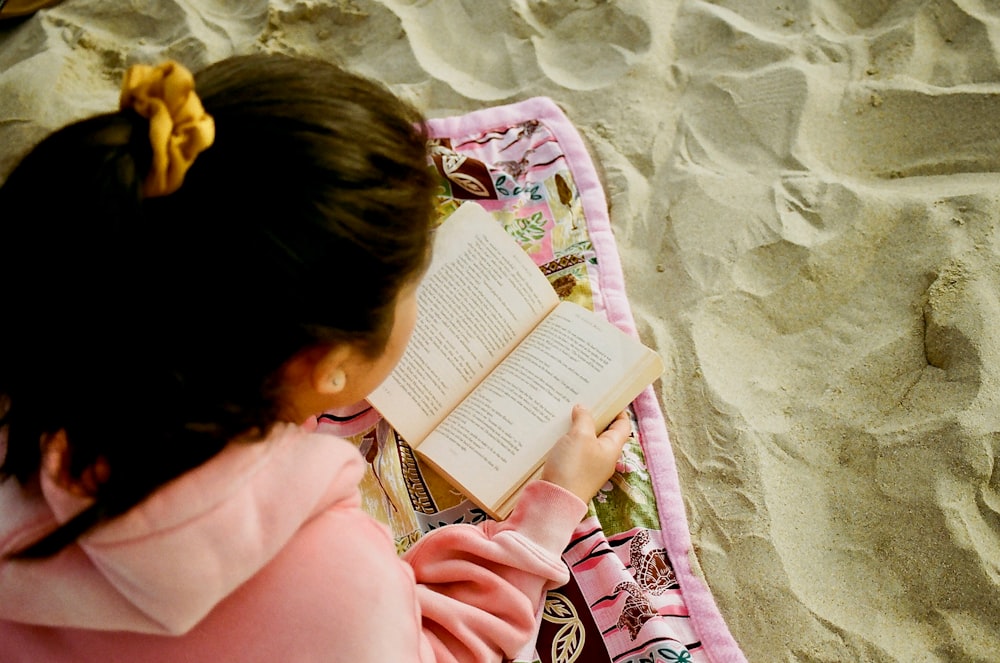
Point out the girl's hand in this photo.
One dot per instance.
(582, 461)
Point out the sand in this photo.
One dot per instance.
(805, 195)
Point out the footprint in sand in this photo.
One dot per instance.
(488, 50)
(572, 55)
(952, 327)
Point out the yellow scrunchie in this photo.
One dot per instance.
(179, 127)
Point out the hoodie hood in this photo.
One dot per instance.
(162, 566)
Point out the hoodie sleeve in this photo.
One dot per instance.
(479, 589)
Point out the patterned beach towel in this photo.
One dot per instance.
(633, 597)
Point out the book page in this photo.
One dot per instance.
(502, 432)
(480, 296)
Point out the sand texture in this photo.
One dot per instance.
(806, 200)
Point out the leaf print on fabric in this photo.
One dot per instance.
(674, 656)
(508, 186)
(664, 655)
(471, 176)
(527, 230)
(565, 191)
(454, 172)
(501, 185)
(568, 642)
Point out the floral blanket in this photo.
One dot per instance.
(633, 597)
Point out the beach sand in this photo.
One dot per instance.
(805, 196)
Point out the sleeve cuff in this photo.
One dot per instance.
(547, 514)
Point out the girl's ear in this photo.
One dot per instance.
(329, 374)
(315, 380)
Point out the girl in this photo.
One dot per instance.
(188, 281)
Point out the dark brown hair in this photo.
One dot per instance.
(151, 330)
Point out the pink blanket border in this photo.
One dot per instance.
(707, 620)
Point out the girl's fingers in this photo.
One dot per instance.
(620, 428)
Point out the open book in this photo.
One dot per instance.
(487, 383)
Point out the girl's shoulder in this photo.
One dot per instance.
(201, 536)
(293, 470)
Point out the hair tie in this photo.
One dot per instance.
(179, 127)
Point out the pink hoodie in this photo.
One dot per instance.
(263, 554)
